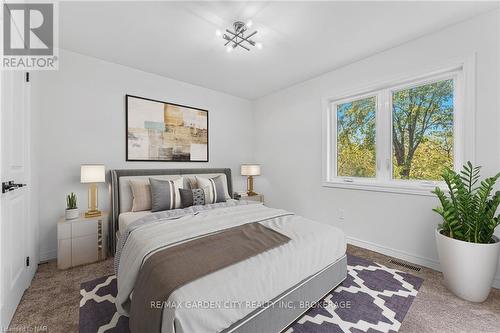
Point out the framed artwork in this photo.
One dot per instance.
(161, 131)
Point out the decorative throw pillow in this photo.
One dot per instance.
(165, 194)
(192, 197)
(189, 182)
(216, 188)
(141, 193)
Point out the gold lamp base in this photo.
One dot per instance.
(250, 191)
(93, 213)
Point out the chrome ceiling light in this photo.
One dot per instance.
(238, 37)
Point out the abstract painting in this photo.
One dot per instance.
(161, 131)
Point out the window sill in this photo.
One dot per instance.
(388, 187)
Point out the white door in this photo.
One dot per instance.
(15, 231)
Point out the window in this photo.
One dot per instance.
(422, 130)
(398, 136)
(356, 138)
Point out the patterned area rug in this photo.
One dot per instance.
(373, 298)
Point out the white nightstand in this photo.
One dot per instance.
(258, 197)
(82, 240)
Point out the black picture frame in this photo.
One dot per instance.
(127, 96)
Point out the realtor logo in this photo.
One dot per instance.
(29, 36)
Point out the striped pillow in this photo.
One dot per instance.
(165, 194)
(215, 189)
(141, 193)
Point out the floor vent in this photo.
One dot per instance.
(403, 264)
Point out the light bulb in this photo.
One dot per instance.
(249, 23)
(218, 33)
(259, 45)
(229, 48)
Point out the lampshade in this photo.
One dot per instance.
(250, 170)
(92, 173)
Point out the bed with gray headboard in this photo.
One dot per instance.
(121, 194)
(300, 271)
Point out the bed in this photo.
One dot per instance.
(263, 293)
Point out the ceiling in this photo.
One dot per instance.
(301, 39)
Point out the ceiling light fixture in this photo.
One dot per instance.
(237, 37)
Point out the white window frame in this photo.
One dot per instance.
(463, 141)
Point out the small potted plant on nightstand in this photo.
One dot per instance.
(468, 250)
(71, 208)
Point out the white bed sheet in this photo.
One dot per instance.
(124, 219)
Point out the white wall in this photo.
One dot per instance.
(288, 141)
(79, 117)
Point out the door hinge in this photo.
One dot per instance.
(27, 261)
(27, 76)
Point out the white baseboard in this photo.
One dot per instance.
(48, 255)
(414, 259)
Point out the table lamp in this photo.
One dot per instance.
(250, 170)
(92, 174)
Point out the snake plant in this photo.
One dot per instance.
(469, 208)
(71, 201)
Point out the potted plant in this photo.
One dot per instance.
(468, 250)
(71, 208)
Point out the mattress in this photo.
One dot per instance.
(124, 219)
(218, 300)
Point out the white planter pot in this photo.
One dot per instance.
(71, 214)
(468, 268)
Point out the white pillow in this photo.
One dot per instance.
(217, 188)
(141, 193)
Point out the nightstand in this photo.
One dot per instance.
(82, 240)
(258, 197)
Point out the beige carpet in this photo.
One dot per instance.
(51, 303)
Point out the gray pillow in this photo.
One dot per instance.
(165, 194)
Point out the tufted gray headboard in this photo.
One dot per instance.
(121, 194)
